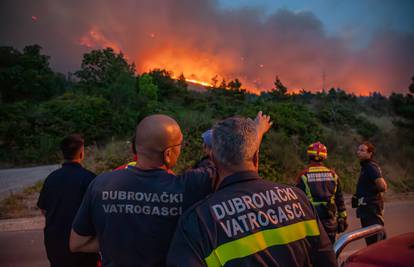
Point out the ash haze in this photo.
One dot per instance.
(308, 47)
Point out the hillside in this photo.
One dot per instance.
(105, 99)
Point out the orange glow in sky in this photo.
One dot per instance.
(200, 66)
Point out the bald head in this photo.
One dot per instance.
(155, 133)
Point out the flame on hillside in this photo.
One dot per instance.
(197, 67)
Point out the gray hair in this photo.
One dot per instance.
(235, 140)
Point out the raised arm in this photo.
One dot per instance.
(263, 124)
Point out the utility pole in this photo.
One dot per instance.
(323, 80)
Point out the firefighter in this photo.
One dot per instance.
(248, 221)
(130, 215)
(134, 160)
(323, 189)
(369, 199)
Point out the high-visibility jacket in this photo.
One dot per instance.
(125, 166)
(249, 221)
(323, 188)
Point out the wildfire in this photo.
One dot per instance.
(198, 67)
(199, 82)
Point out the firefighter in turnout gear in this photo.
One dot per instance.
(323, 189)
(248, 221)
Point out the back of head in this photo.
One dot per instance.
(154, 134)
(235, 141)
(71, 145)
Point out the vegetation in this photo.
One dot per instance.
(105, 99)
(22, 204)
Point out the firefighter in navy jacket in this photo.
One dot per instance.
(248, 221)
(323, 188)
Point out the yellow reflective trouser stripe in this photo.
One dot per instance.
(261, 240)
(342, 214)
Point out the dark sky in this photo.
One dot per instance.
(361, 46)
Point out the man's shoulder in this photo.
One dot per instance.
(56, 175)
(200, 208)
(373, 168)
(86, 171)
(373, 164)
(289, 189)
(195, 176)
(111, 175)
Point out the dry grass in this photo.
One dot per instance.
(21, 204)
(99, 159)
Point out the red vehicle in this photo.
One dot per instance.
(396, 251)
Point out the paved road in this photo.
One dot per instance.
(25, 248)
(22, 248)
(14, 180)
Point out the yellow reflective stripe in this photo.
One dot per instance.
(318, 169)
(307, 189)
(316, 153)
(132, 163)
(342, 214)
(315, 203)
(332, 200)
(261, 240)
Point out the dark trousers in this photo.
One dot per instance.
(331, 228)
(369, 216)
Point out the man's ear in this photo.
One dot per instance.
(256, 159)
(82, 153)
(167, 157)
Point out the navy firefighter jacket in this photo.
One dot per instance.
(134, 212)
(323, 188)
(251, 222)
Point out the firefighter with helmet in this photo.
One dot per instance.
(323, 189)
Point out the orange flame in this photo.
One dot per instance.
(198, 67)
(199, 82)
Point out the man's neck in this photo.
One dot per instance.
(144, 164)
(224, 172)
(78, 161)
(312, 162)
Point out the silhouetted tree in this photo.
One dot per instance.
(167, 86)
(101, 68)
(279, 90)
(234, 85)
(411, 87)
(223, 84)
(27, 75)
(181, 81)
(214, 81)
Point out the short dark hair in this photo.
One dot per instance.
(370, 147)
(70, 146)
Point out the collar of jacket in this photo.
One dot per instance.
(365, 161)
(238, 177)
(315, 164)
(71, 163)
